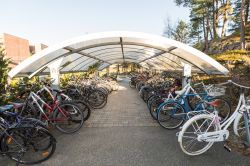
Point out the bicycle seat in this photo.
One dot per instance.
(5, 108)
(17, 105)
(214, 103)
(180, 92)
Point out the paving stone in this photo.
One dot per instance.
(124, 108)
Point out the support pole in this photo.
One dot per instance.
(55, 73)
(186, 74)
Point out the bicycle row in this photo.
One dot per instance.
(202, 113)
(24, 126)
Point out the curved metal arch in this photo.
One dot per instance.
(184, 52)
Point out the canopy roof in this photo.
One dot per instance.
(150, 51)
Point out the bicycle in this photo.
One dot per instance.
(200, 132)
(25, 141)
(65, 116)
(172, 113)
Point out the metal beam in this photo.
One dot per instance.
(88, 64)
(87, 55)
(89, 59)
(160, 53)
(190, 63)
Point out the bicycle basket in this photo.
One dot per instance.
(216, 90)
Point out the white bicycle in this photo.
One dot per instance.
(200, 132)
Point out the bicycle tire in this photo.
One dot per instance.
(75, 110)
(189, 124)
(52, 144)
(173, 120)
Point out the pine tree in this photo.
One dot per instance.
(4, 69)
(181, 33)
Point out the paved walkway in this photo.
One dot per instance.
(124, 108)
(123, 134)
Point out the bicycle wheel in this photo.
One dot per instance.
(28, 145)
(242, 127)
(97, 99)
(84, 108)
(188, 136)
(170, 115)
(150, 101)
(131, 84)
(68, 118)
(153, 107)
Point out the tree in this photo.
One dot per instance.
(125, 66)
(93, 68)
(195, 32)
(181, 32)
(200, 13)
(168, 29)
(4, 69)
(243, 20)
(225, 10)
(215, 18)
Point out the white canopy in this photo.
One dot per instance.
(150, 51)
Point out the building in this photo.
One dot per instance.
(37, 48)
(17, 49)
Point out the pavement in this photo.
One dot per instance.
(124, 134)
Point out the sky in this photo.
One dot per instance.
(53, 21)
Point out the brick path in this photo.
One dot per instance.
(124, 108)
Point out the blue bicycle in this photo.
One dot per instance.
(172, 113)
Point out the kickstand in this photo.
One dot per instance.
(227, 148)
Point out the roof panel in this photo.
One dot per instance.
(95, 43)
(116, 47)
(100, 49)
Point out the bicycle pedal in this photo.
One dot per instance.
(227, 148)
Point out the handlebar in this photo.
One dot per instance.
(236, 84)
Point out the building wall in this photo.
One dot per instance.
(16, 48)
(1, 40)
(37, 48)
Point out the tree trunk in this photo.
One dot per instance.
(208, 29)
(225, 18)
(210, 32)
(215, 19)
(247, 9)
(205, 31)
(224, 26)
(242, 24)
(118, 69)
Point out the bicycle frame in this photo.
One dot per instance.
(36, 99)
(222, 134)
(4, 129)
(181, 100)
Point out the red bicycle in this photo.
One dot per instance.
(66, 116)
